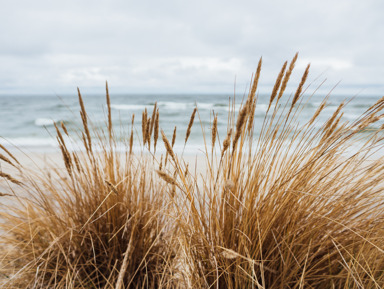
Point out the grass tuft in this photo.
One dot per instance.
(293, 208)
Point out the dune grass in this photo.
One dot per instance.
(102, 222)
(288, 209)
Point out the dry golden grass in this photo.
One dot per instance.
(190, 124)
(286, 210)
(297, 213)
(101, 223)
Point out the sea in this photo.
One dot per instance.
(27, 121)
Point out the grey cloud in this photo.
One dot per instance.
(184, 45)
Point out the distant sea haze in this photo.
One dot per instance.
(26, 121)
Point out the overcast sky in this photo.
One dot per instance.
(198, 46)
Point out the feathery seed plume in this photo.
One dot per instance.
(166, 177)
(300, 87)
(214, 131)
(190, 124)
(64, 151)
(255, 81)
(317, 112)
(153, 118)
(156, 132)
(287, 76)
(226, 142)
(9, 153)
(144, 125)
(64, 128)
(83, 114)
(174, 137)
(161, 163)
(148, 133)
(131, 136)
(109, 111)
(251, 115)
(168, 146)
(7, 160)
(277, 84)
(10, 178)
(239, 124)
(76, 161)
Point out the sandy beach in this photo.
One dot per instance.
(41, 163)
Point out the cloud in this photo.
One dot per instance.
(186, 46)
(335, 64)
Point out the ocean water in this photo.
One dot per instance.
(26, 121)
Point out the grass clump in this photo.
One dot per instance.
(99, 223)
(292, 208)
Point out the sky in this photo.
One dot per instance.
(200, 46)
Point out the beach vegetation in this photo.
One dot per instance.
(298, 206)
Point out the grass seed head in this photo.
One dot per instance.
(226, 142)
(9, 154)
(277, 85)
(174, 137)
(167, 145)
(241, 119)
(287, 76)
(169, 179)
(300, 87)
(10, 178)
(156, 130)
(144, 126)
(214, 131)
(190, 124)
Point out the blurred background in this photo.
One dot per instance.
(179, 54)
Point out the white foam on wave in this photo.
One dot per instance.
(204, 105)
(331, 108)
(166, 105)
(175, 105)
(128, 106)
(44, 121)
(261, 107)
